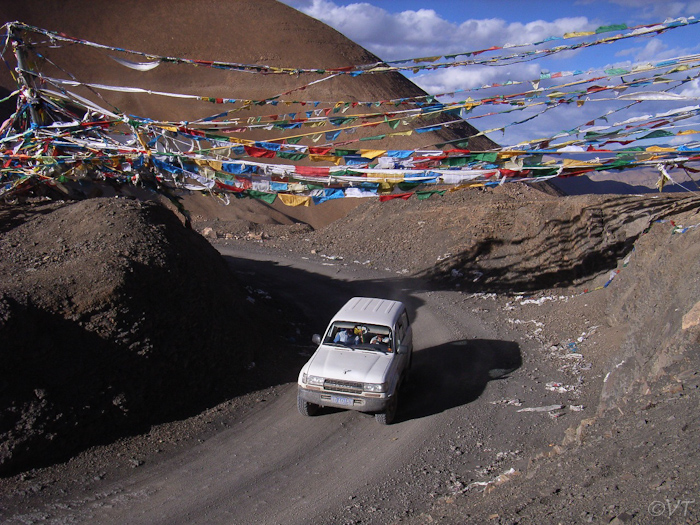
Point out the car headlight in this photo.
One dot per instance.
(374, 387)
(312, 380)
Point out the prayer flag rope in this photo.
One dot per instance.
(153, 60)
(57, 136)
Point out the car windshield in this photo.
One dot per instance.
(370, 337)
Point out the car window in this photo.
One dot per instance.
(400, 331)
(363, 336)
(401, 328)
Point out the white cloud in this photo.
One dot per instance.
(409, 34)
(692, 89)
(653, 9)
(453, 79)
(654, 50)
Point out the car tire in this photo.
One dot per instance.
(306, 408)
(387, 417)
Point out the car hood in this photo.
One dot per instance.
(349, 365)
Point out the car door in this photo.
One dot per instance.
(407, 337)
(404, 336)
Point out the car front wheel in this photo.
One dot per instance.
(387, 417)
(306, 408)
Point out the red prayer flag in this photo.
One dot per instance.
(259, 152)
(228, 187)
(312, 171)
(404, 196)
(320, 151)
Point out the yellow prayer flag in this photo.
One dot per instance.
(573, 163)
(325, 158)
(294, 200)
(386, 188)
(381, 69)
(578, 34)
(659, 149)
(509, 154)
(372, 153)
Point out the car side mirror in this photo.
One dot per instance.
(402, 349)
(316, 338)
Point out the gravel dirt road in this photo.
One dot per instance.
(572, 404)
(273, 465)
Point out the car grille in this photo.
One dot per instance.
(342, 386)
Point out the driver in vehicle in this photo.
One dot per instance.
(381, 339)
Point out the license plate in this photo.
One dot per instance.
(339, 400)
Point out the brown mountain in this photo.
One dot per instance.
(241, 31)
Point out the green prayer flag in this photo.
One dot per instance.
(658, 134)
(344, 152)
(486, 157)
(393, 124)
(455, 162)
(616, 71)
(422, 195)
(263, 196)
(289, 155)
(613, 27)
(616, 164)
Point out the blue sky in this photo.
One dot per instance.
(401, 29)
(390, 28)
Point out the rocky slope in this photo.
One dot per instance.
(632, 459)
(117, 317)
(113, 316)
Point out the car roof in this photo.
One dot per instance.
(370, 310)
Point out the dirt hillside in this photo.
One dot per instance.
(122, 294)
(619, 270)
(113, 316)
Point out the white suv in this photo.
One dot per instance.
(361, 360)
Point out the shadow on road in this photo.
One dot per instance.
(442, 377)
(454, 374)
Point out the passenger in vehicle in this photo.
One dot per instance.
(359, 332)
(344, 336)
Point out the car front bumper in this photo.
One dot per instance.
(342, 400)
